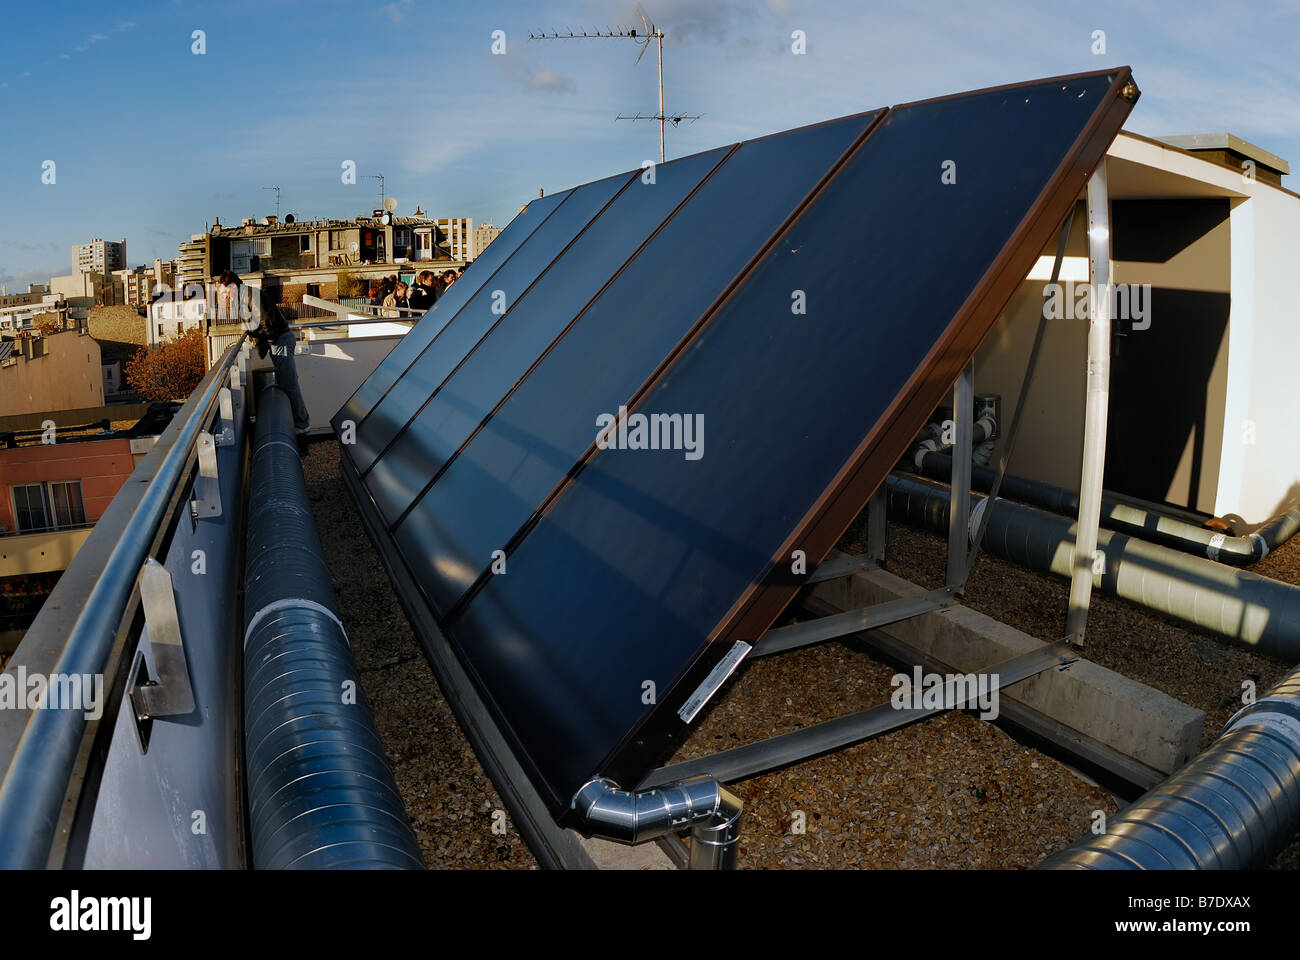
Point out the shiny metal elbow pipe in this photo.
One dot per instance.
(699, 804)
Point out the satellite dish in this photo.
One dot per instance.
(353, 247)
(386, 219)
(391, 204)
(288, 218)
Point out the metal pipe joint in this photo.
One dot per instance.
(701, 804)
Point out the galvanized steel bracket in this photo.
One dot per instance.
(226, 437)
(171, 694)
(207, 489)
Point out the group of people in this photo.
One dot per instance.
(395, 294)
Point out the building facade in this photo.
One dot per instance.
(460, 237)
(484, 234)
(99, 256)
(62, 371)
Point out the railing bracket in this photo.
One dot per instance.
(171, 694)
(207, 487)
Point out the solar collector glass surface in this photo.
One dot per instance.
(625, 577)
(503, 474)
(407, 349)
(457, 406)
(453, 343)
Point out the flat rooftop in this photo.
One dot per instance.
(953, 792)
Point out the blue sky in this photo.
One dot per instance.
(152, 141)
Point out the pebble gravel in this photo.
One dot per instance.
(952, 792)
(454, 810)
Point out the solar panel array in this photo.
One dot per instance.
(598, 453)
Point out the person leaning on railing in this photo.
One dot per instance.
(266, 325)
(396, 299)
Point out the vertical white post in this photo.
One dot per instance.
(963, 410)
(1098, 399)
(662, 154)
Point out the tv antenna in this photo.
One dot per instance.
(277, 200)
(380, 178)
(650, 34)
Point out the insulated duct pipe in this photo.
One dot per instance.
(701, 803)
(320, 791)
(1234, 807)
(985, 429)
(1234, 604)
(1147, 524)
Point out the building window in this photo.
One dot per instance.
(313, 289)
(304, 243)
(336, 239)
(30, 512)
(160, 331)
(69, 508)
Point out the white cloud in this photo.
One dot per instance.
(551, 82)
(397, 11)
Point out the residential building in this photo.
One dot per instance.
(99, 256)
(171, 314)
(52, 494)
(44, 309)
(484, 234)
(460, 237)
(61, 371)
(297, 258)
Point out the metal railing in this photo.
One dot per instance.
(349, 316)
(39, 773)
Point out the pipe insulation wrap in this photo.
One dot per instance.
(1235, 806)
(321, 794)
(1234, 604)
(1159, 528)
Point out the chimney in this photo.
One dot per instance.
(271, 218)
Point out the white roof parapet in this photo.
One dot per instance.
(1227, 141)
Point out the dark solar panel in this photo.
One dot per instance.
(457, 337)
(493, 486)
(804, 375)
(476, 274)
(500, 358)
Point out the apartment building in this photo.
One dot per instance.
(99, 256)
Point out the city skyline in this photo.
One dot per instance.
(152, 140)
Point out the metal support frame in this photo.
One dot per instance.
(851, 621)
(877, 526)
(1098, 399)
(752, 759)
(844, 566)
(963, 414)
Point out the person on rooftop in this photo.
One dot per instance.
(270, 331)
(424, 293)
(396, 299)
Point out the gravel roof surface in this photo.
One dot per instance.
(949, 792)
(448, 797)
